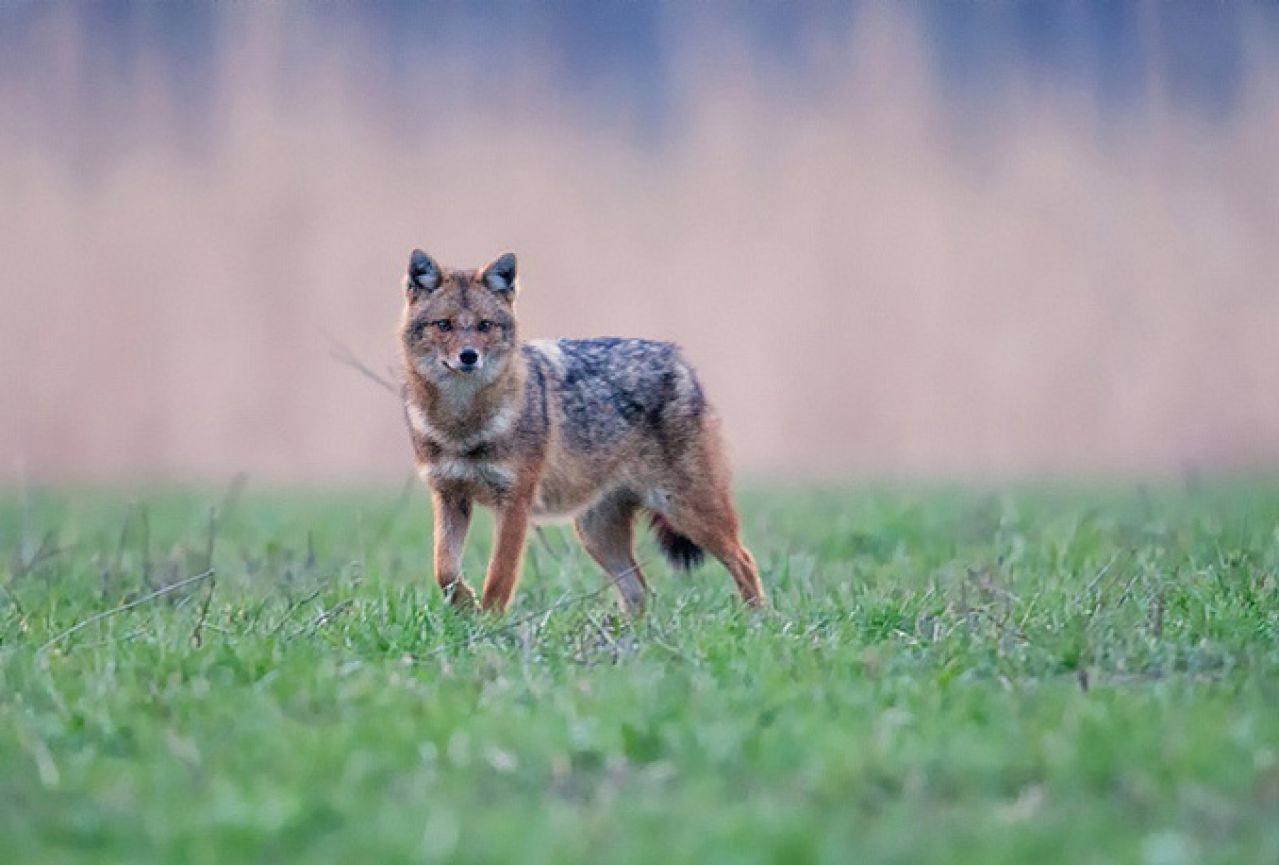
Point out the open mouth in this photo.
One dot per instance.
(465, 370)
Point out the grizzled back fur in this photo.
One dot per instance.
(609, 387)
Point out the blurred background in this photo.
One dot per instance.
(899, 240)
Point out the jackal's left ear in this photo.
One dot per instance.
(500, 276)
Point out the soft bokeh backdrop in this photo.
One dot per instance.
(899, 240)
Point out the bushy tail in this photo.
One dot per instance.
(682, 553)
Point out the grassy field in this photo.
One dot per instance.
(947, 676)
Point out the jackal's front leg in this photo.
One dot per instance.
(508, 550)
(452, 519)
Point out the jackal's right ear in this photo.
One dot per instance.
(424, 274)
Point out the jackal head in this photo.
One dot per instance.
(458, 325)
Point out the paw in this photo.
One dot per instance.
(631, 607)
(461, 597)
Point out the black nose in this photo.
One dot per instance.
(468, 356)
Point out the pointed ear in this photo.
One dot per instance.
(500, 276)
(424, 274)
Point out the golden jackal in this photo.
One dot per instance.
(596, 429)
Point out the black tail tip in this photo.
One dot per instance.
(682, 553)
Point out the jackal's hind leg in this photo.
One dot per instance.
(607, 531)
(707, 517)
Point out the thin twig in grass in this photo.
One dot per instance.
(136, 602)
(234, 491)
(117, 562)
(24, 519)
(144, 515)
(1025, 616)
(1127, 592)
(359, 539)
(1157, 615)
(603, 632)
(46, 552)
(197, 632)
(343, 355)
(1092, 584)
(212, 538)
(546, 618)
(545, 539)
(657, 638)
(22, 566)
(13, 599)
(181, 603)
(326, 616)
(293, 608)
(134, 634)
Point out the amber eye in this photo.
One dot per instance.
(443, 325)
(484, 326)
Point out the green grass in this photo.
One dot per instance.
(947, 676)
